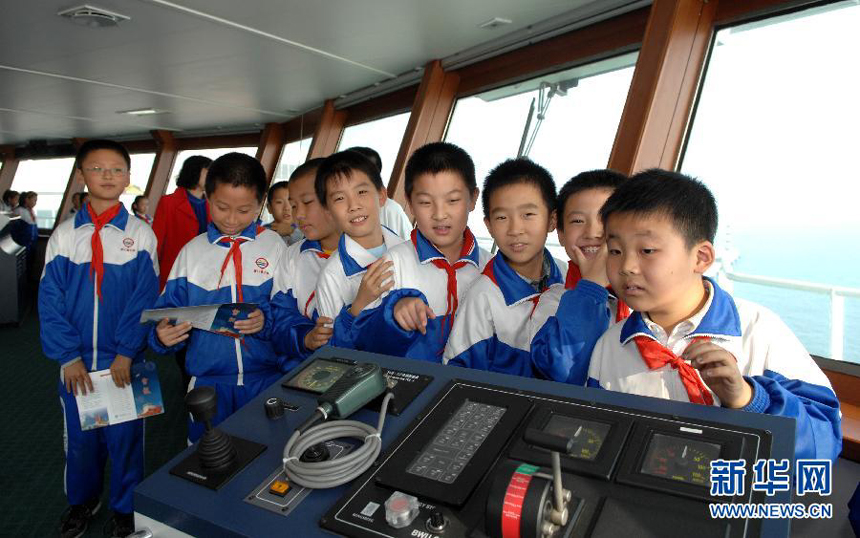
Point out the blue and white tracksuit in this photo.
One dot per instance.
(491, 328)
(238, 369)
(415, 275)
(785, 379)
(76, 326)
(294, 301)
(564, 328)
(339, 281)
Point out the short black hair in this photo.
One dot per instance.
(137, 199)
(687, 202)
(593, 179)
(371, 155)
(84, 195)
(275, 188)
(96, 144)
(439, 157)
(515, 171)
(7, 196)
(308, 167)
(238, 170)
(189, 174)
(342, 164)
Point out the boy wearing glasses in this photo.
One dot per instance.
(100, 273)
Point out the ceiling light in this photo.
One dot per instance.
(495, 22)
(142, 112)
(94, 17)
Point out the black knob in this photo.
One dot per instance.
(437, 521)
(274, 408)
(202, 404)
(315, 453)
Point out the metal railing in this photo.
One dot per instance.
(837, 296)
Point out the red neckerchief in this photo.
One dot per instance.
(656, 355)
(324, 256)
(97, 264)
(622, 311)
(235, 252)
(450, 273)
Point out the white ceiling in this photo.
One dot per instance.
(230, 64)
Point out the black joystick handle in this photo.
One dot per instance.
(202, 404)
(551, 442)
(215, 449)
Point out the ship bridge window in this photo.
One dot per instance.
(293, 156)
(47, 178)
(774, 137)
(141, 166)
(564, 121)
(383, 135)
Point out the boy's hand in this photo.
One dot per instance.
(320, 334)
(253, 324)
(593, 269)
(170, 335)
(412, 313)
(377, 280)
(120, 371)
(719, 371)
(76, 376)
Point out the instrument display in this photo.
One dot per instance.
(680, 459)
(318, 376)
(587, 435)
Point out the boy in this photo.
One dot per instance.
(491, 328)
(299, 330)
(570, 318)
(435, 268)
(689, 340)
(100, 273)
(233, 261)
(278, 204)
(350, 188)
(391, 214)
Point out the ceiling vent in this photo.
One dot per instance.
(94, 17)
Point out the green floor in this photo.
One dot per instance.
(31, 451)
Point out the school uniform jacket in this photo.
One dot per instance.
(491, 328)
(294, 303)
(393, 217)
(194, 280)
(415, 275)
(785, 379)
(339, 281)
(565, 326)
(174, 224)
(75, 324)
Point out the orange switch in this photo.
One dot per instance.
(279, 488)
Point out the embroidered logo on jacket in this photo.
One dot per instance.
(128, 245)
(262, 264)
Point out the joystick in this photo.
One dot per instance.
(215, 449)
(218, 456)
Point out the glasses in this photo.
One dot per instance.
(98, 170)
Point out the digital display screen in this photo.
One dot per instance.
(681, 459)
(318, 376)
(454, 445)
(587, 435)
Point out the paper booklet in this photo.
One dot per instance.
(108, 404)
(216, 318)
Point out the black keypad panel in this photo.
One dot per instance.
(455, 444)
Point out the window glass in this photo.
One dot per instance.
(47, 177)
(293, 156)
(212, 153)
(774, 137)
(571, 129)
(141, 166)
(383, 135)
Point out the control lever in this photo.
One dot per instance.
(555, 444)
